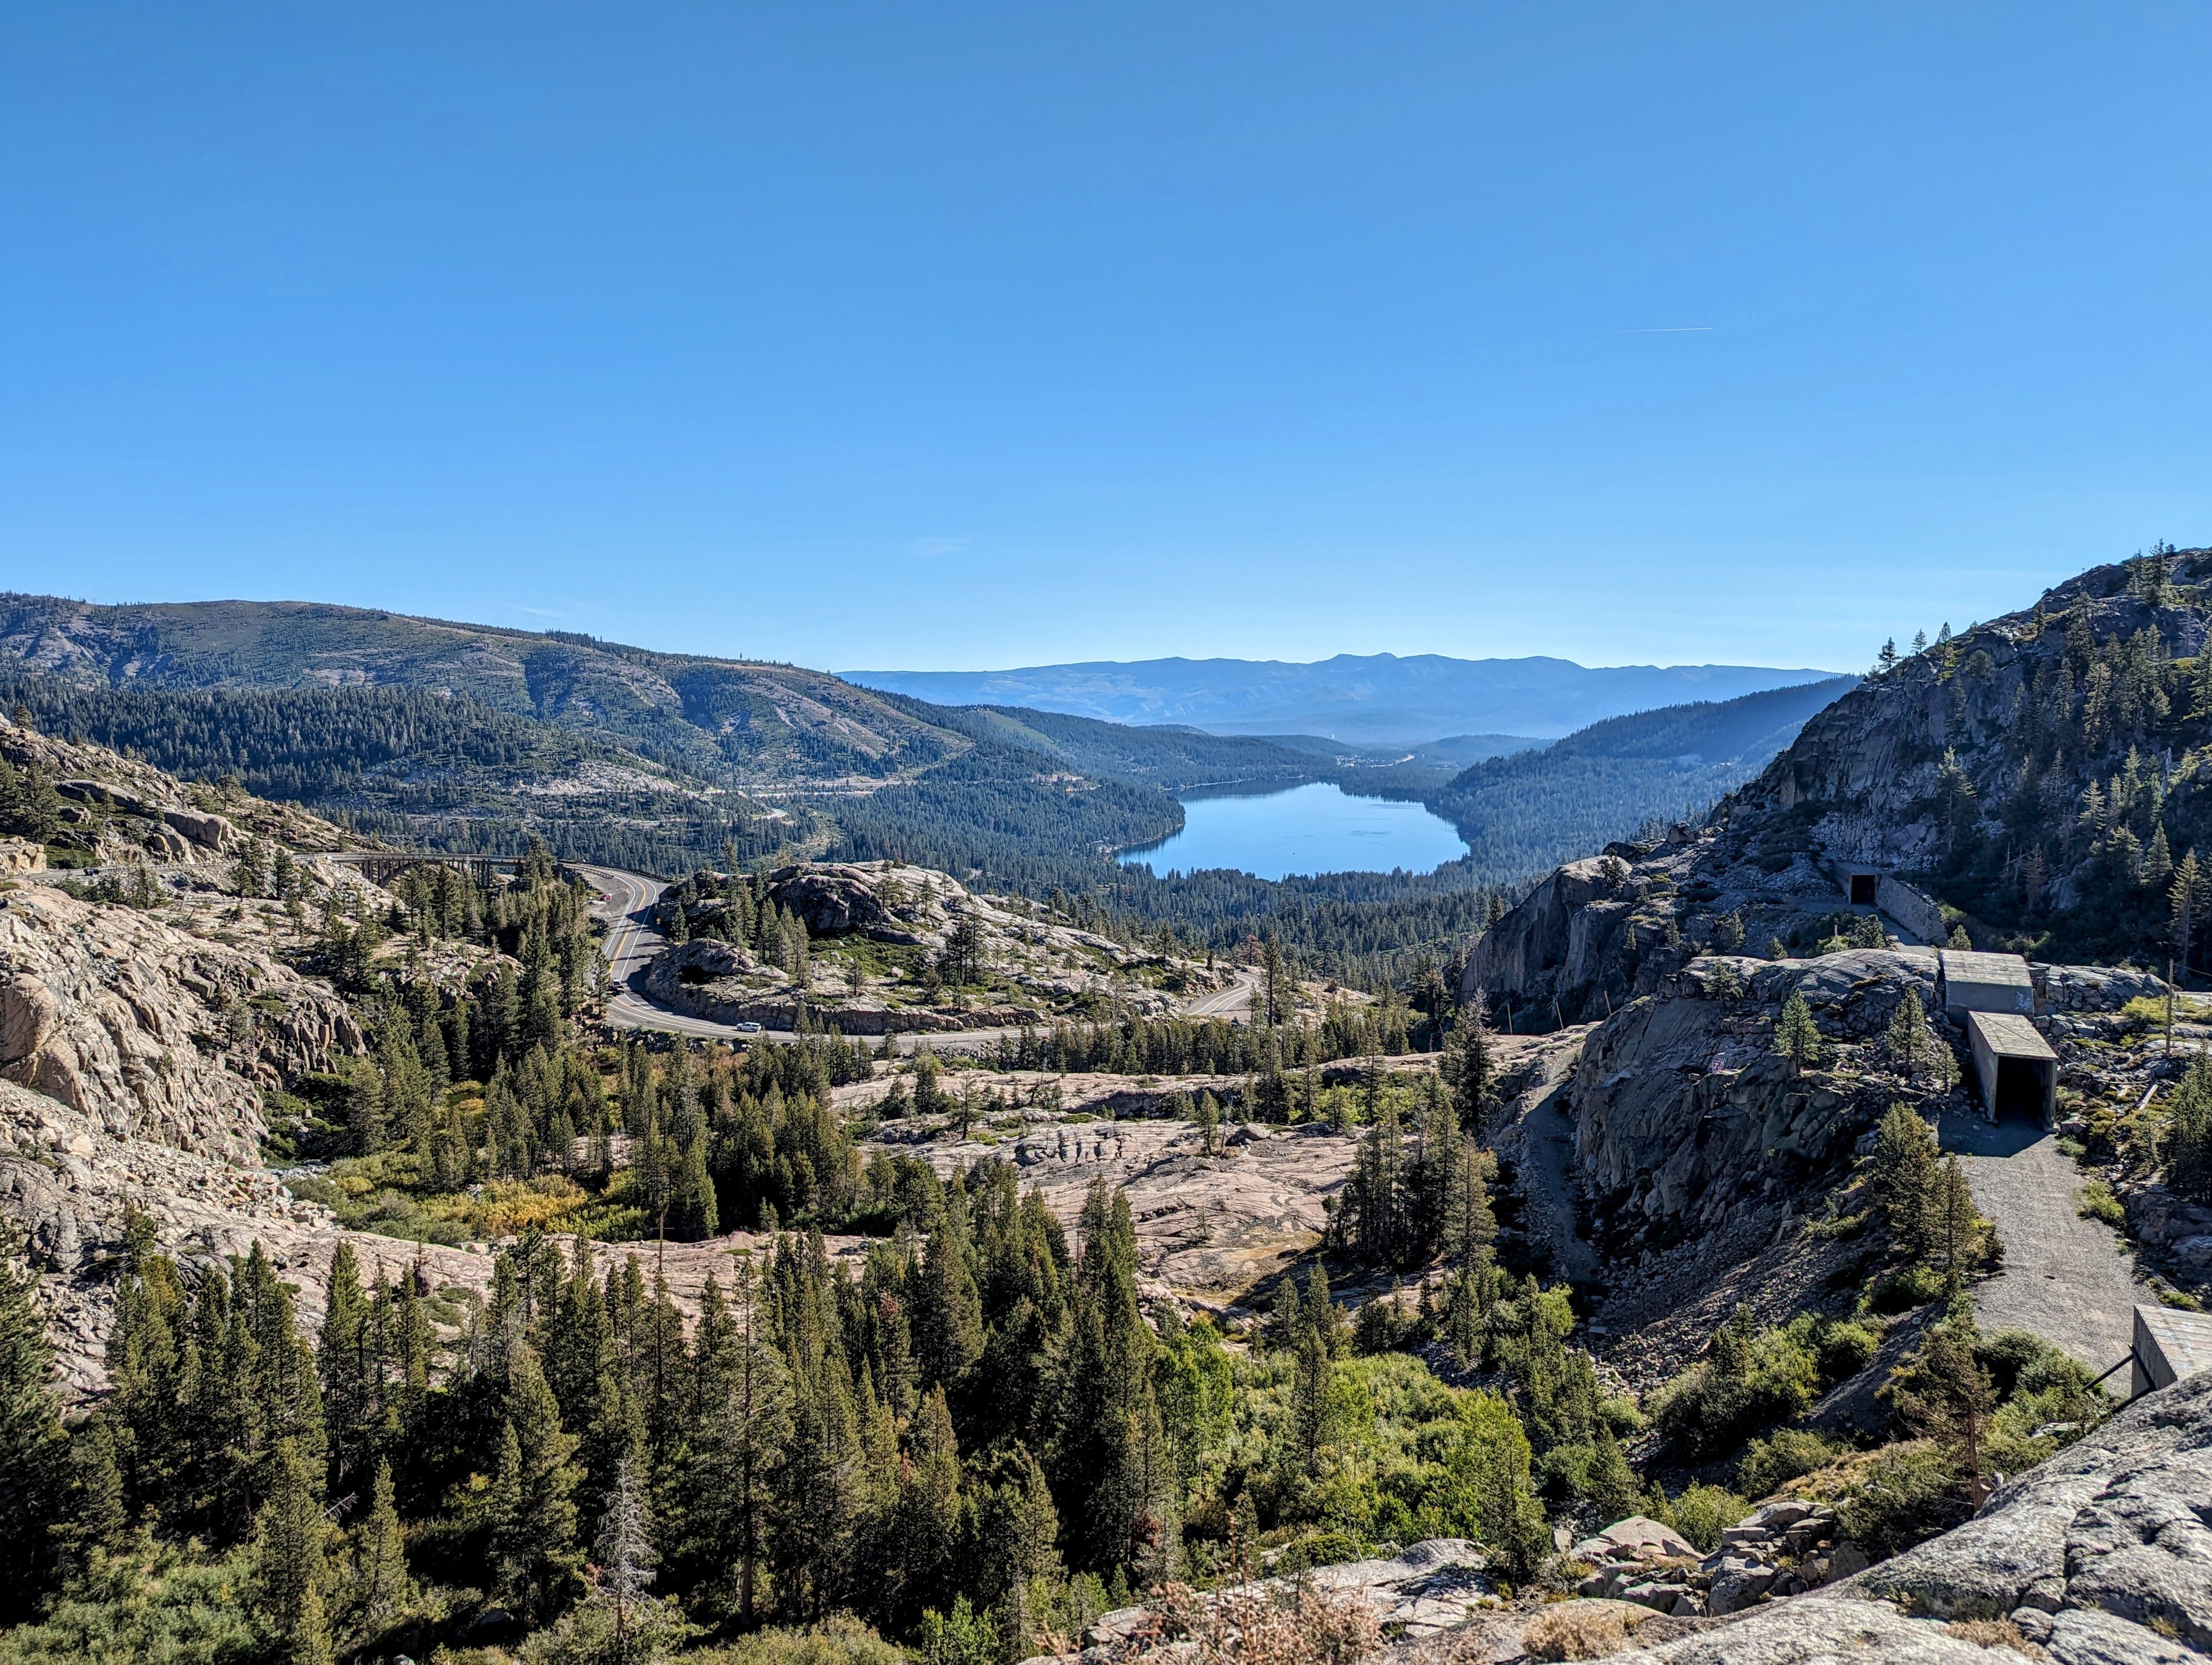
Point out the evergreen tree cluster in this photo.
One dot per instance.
(980, 1433)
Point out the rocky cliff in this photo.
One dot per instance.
(151, 1032)
(2040, 776)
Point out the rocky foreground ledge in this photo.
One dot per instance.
(2101, 1555)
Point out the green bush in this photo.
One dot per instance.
(843, 1640)
(1907, 1287)
(1907, 1493)
(1769, 1464)
(1749, 1382)
(1702, 1513)
(164, 1608)
(1843, 1349)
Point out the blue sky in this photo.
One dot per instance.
(943, 336)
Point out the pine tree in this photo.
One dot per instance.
(1797, 1038)
(344, 1361)
(1957, 1230)
(744, 1422)
(1103, 1408)
(288, 1559)
(930, 1513)
(2183, 896)
(692, 1214)
(2185, 1143)
(534, 1512)
(1946, 1395)
(1468, 1065)
(381, 1583)
(1310, 1379)
(1903, 1177)
(946, 1319)
(1911, 1044)
(31, 1448)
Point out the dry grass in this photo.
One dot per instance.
(1256, 1625)
(1575, 1630)
(1993, 1633)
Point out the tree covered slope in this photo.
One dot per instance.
(1523, 813)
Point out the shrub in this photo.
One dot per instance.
(1769, 1465)
(843, 1640)
(1702, 1513)
(1843, 1349)
(1747, 1382)
(1907, 1287)
(1908, 1492)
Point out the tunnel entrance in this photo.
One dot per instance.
(1865, 888)
(2023, 1089)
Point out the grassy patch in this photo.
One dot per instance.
(2097, 1202)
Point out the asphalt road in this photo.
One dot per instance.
(632, 942)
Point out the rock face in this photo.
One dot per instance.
(152, 1033)
(1989, 743)
(1682, 1108)
(2102, 1556)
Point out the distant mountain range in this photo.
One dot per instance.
(1373, 699)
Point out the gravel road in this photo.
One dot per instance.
(2068, 1279)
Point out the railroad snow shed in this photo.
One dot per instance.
(2017, 1068)
(1983, 982)
(2170, 1347)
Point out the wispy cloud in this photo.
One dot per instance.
(535, 612)
(938, 545)
(1671, 329)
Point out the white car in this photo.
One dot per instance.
(747, 1029)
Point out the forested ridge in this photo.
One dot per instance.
(1524, 814)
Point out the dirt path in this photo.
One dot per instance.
(2068, 1279)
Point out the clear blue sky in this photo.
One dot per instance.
(960, 335)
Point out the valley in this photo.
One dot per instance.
(1625, 1246)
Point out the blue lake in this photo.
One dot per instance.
(1318, 829)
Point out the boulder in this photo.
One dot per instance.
(832, 901)
(209, 832)
(21, 855)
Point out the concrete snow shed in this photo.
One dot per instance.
(1968, 982)
(2017, 1068)
(2170, 1345)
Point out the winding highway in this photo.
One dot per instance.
(632, 940)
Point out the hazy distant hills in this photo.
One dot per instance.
(1376, 699)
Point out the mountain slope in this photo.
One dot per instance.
(1525, 812)
(766, 728)
(1378, 699)
(2039, 779)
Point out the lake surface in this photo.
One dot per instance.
(1318, 829)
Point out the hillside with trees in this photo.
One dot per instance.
(1526, 812)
